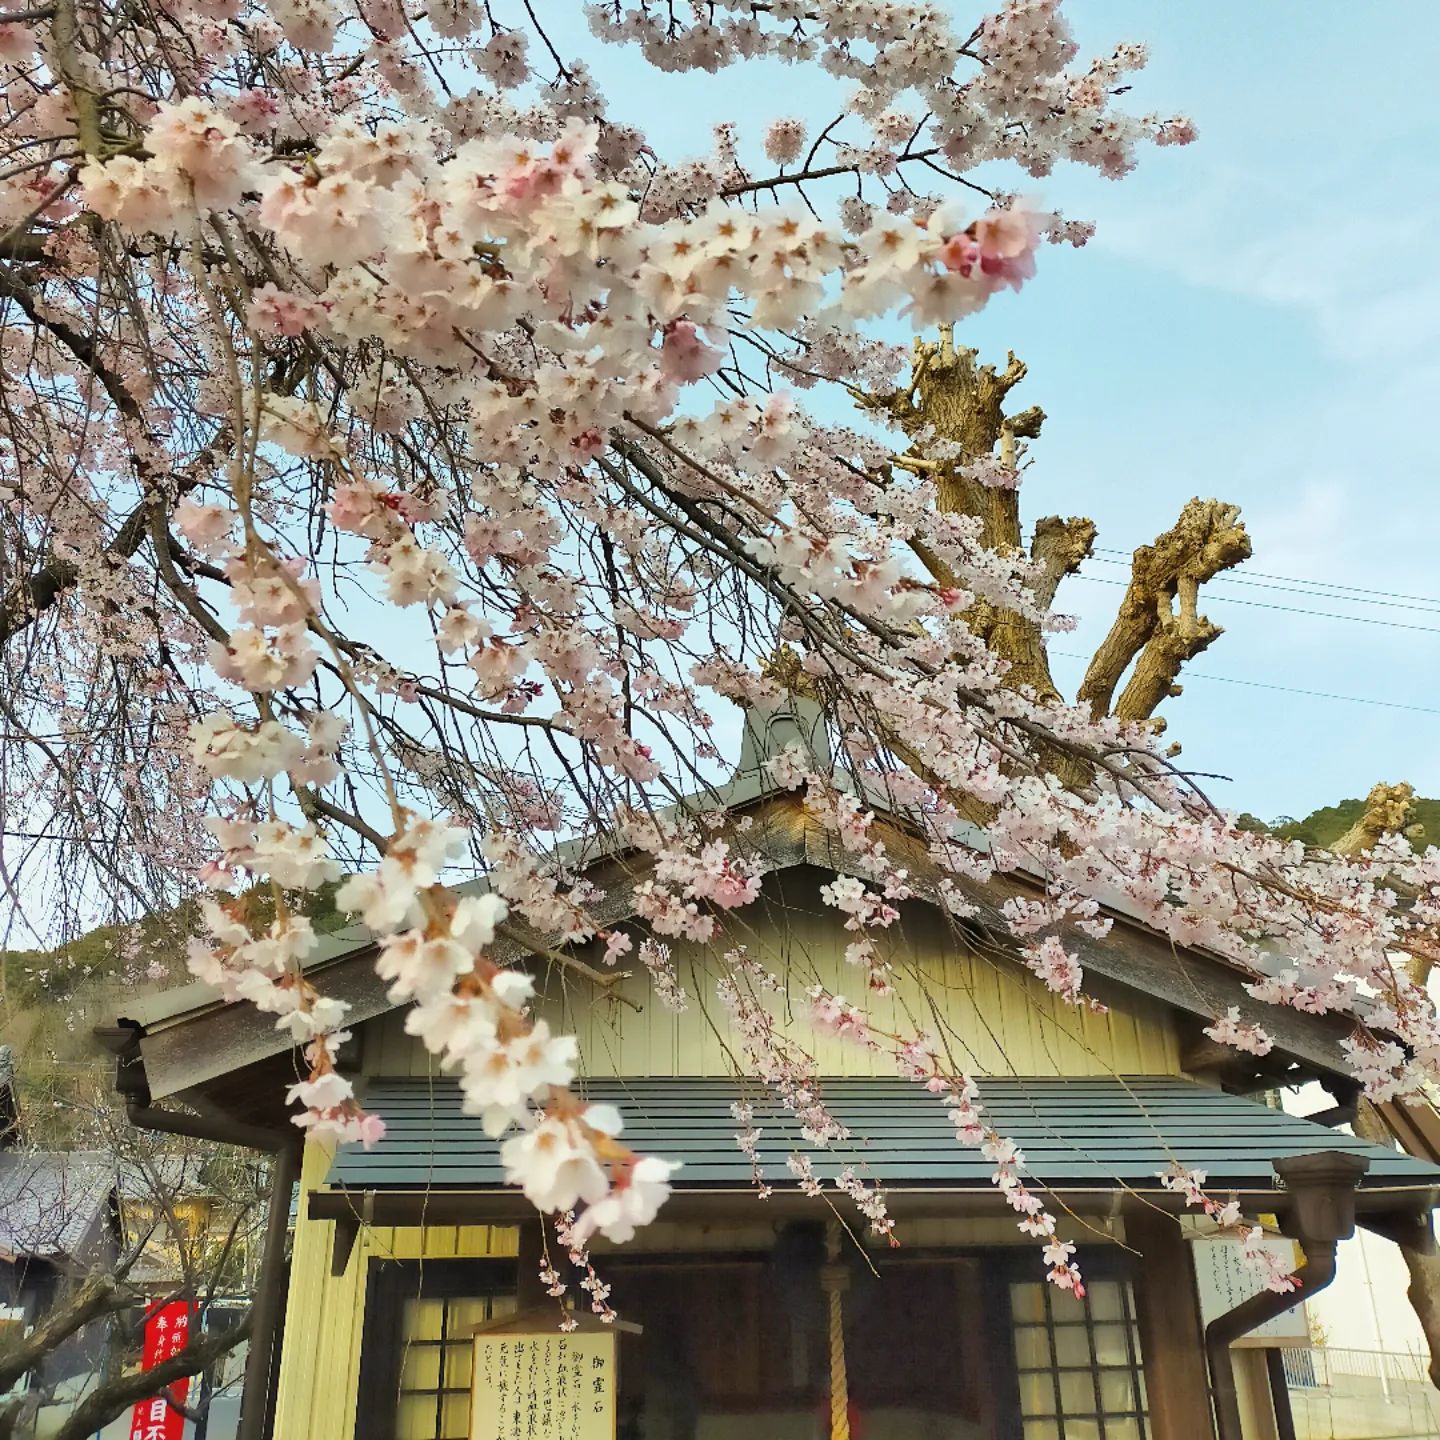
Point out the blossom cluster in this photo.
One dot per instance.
(423, 450)
(961, 1097)
(1265, 1264)
(514, 1073)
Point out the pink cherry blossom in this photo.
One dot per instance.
(428, 453)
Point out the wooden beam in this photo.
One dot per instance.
(1172, 1342)
(347, 1231)
(1238, 1073)
(1411, 1228)
(348, 1224)
(530, 1292)
(1415, 1124)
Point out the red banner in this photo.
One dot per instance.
(167, 1332)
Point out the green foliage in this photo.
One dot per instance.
(148, 952)
(1323, 827)
(40, 977)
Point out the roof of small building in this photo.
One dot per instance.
(168, 1175)
(1090, 1132)
(51, 1202)
(1195, 982)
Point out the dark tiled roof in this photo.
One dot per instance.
(1076, 1132)
(50, 1202)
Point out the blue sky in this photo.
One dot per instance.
(1255, 320)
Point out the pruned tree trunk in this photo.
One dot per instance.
(1059, 547)
(953, 399)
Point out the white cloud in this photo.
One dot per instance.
(1363, 275)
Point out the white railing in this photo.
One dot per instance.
(1337, 1367)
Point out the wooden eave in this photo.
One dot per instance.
(192, 1042)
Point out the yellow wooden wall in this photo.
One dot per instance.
(325, 1314)
(997, 1018)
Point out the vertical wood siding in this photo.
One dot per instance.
(996, 1018)
(325, 1314)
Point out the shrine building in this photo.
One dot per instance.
(399, 1296)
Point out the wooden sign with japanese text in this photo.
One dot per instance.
(543, 1385)
(1225, 1280)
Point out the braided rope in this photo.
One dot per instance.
(833, 1280)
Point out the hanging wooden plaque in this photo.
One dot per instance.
(532, 1381)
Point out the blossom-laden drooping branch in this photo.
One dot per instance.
(403, 452)
(1268, 1266)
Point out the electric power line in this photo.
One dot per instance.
(1301, 588)
(1295, 580)
(1290, 609)
(1188, 675)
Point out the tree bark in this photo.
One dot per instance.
(102, 1405)
(1059, 547)
(1158, 619)
(10, 1415)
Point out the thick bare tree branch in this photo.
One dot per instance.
(1059, 547)
(1389, 810)
(1158, 620)
(113, 1397)
(99, 1295)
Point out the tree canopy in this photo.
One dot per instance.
(405, 453)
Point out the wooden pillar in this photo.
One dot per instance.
(1172, 1339)
(1252, 1387)
(530, 1292)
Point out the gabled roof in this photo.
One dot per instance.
(52, 1203)
(192, 1038)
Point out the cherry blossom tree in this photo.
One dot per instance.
(405, 454)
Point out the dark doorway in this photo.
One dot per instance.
(738, 1349)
